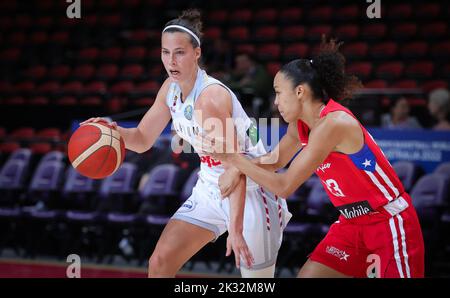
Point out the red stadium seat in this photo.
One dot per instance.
(72, 87)
(59, 37)
(134, 54)
(23, 133)
(293, 33)
(320, 14)
(241, 16)
(17, 38)
(25, 87)
(362, 70)
(356, 50)
(245, 48)
(217, 17)
(15, 100)
(390, 70)
(347, 32)
(49, 87)
(44, 22)
(399, 11)
(23, 21)
(434, 84)
(265, 16)
(347, 13)
(39, 37)
(112, 20)
(433, 30)
(124, 87)
(374, 31)
(416, 49)
(404, 84)
(91, 20)
(316, 32)
(144, 102)
(148, 87)
(269, 52)
(295, 51)
(36, 72)
(88, 54)
(132, 71)
(40, 148)
(111, 54)
(2, 132)
(428, 10)
(266, 34)
(212, 33)
(441, 49)
(385, 50)
(90, 101)
(107, 71)
(376, 84)
(423, 69)
(10, 55)
(273, 68)
(59, 72)
(5, 87)
(240, 33)
(83, 72)
(66, 101)
(38, 101)
(291, 15)
(95, 87)
(9, 147)
(404, 31)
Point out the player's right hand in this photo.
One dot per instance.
(228, 181)
(99, 119)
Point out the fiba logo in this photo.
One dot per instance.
(374, 9)
(74, 9)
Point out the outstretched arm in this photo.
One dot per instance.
(142, 137)
(322, 140)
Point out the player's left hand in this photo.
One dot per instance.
(237, 244)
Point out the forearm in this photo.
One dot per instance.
(237, 204)
(134, 139)
(265, 177)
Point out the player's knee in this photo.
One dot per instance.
(159, 265)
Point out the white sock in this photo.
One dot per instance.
(268, 272)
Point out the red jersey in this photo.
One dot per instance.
(358, 183)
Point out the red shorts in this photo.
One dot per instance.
(375, 245)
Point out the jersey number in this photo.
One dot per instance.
(333, 187)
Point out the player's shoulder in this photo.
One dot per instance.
(340, 120)
(216, 95)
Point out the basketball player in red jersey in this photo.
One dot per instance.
(377, 221)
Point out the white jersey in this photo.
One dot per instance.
(187, 127)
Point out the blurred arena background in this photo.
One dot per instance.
(56, 71)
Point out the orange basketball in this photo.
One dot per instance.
(96, 150)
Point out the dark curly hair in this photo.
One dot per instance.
(325, 73)
(190, 19)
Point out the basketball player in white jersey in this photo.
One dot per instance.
(190, 97)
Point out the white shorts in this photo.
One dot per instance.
(265, 217)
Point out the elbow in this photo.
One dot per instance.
(283, 189)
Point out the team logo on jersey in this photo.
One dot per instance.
(341, 254)
(188, 110)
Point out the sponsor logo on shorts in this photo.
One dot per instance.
(355, 209)
(188, 205)
(341, 254)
